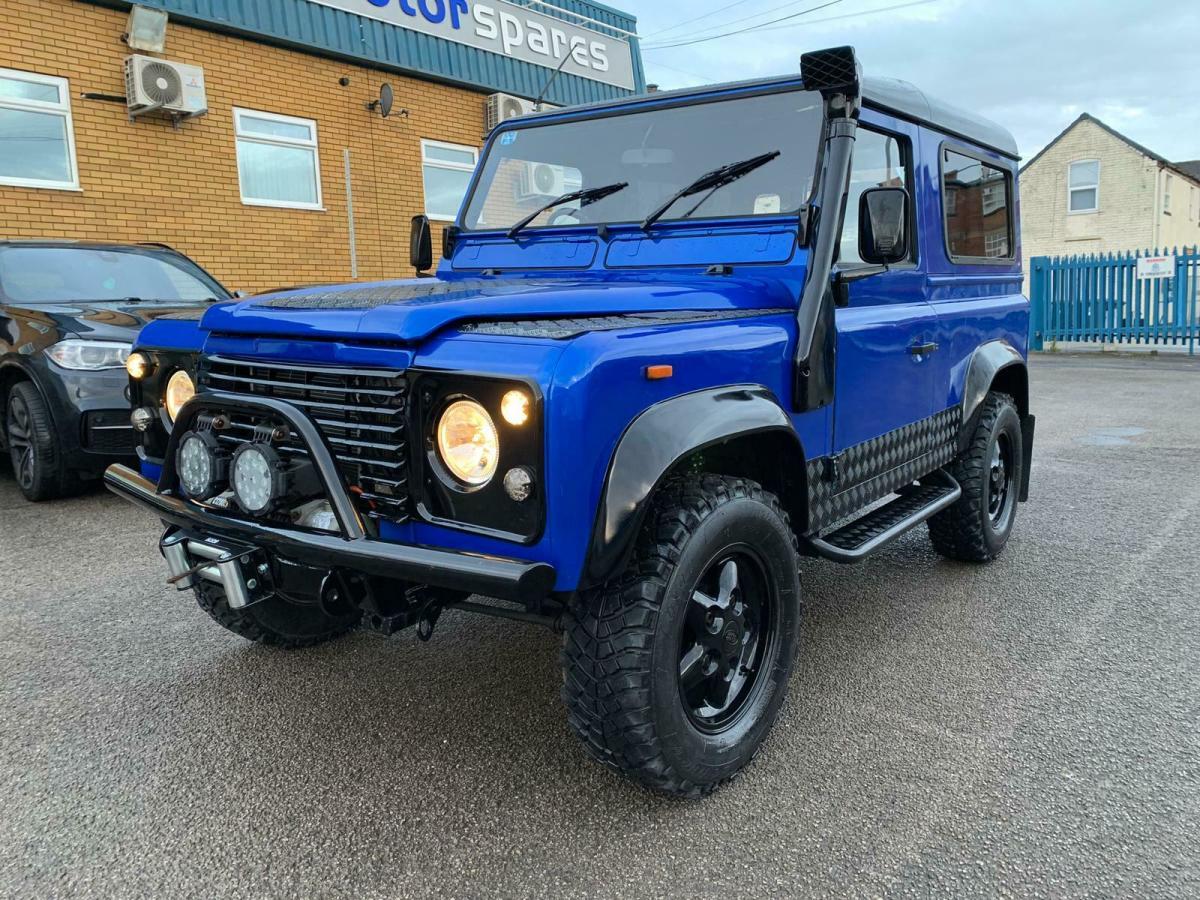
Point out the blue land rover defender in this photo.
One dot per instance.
(675, 344)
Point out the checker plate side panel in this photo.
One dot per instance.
(880, 466)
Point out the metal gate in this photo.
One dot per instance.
(1113, 299)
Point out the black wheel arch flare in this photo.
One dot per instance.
(666, 434)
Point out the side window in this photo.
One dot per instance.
(977, 199)
(879, 161)
(37, 144)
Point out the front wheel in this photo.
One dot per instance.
(675, 671)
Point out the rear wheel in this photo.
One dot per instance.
(978, 526)
(276, 621)
(675, 671)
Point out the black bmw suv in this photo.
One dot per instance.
(69, 312)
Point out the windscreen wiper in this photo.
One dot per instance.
(710, 182)
(585, 198)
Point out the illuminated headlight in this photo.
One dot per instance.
(89, 356)
(201, 464)
(467, 442)
(138, 365)
(180, 390)
(258, 478)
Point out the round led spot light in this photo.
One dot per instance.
(138, 366)
(201, 465)
(257, 477)
(514, 406)
(468, 443)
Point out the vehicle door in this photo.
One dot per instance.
(885, 324)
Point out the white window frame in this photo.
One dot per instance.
(255, 138)
(442, 164)
(1166, 207)
(62, 109)
(1083, 187)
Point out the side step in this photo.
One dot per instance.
(866, 536)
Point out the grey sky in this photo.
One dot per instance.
(1032, 66)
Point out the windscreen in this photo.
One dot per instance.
(656, 153)
(82, 274)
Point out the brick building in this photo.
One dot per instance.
(289, 178)
(1094, 190)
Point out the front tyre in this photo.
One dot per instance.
(978, 526)
(34, 448)
(276, 621)
(675, 671)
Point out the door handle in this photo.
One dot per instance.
(923, 349)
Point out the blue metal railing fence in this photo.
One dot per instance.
(1100, 299)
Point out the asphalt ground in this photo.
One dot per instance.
(1029, 728)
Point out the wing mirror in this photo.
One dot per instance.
(883, 225)
(420, 248)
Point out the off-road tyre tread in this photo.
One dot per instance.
(211, 598)
(957, 531)
(609, 633)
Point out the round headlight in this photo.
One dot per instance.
(201, 465)
(467, 442)
(257, 478)
(180, 390)
(138, 366)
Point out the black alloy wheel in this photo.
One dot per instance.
(726, 633)
(20, 442)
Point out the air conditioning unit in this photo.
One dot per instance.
(158, 85)
(502, 107)
(542, 181)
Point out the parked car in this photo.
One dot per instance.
(69, 312)
(625, 411)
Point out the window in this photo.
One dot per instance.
(1083, 186)
(878, 162)
(37, 142)
(1167, 195)
(978, 222)
(654, 153)
(70, 274)
(446, 170)
(277, 160)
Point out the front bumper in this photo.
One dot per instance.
(507, 579)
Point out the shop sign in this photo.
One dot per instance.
(507, 29)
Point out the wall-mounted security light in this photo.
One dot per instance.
(147, 29)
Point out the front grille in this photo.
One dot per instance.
(360, 411)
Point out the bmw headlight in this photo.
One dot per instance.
(90, 356)
(468, 443)
(180, 390)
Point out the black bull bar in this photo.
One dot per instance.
(353, 549)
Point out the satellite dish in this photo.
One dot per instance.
(383, 105)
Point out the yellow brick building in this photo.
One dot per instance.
(289, 178)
